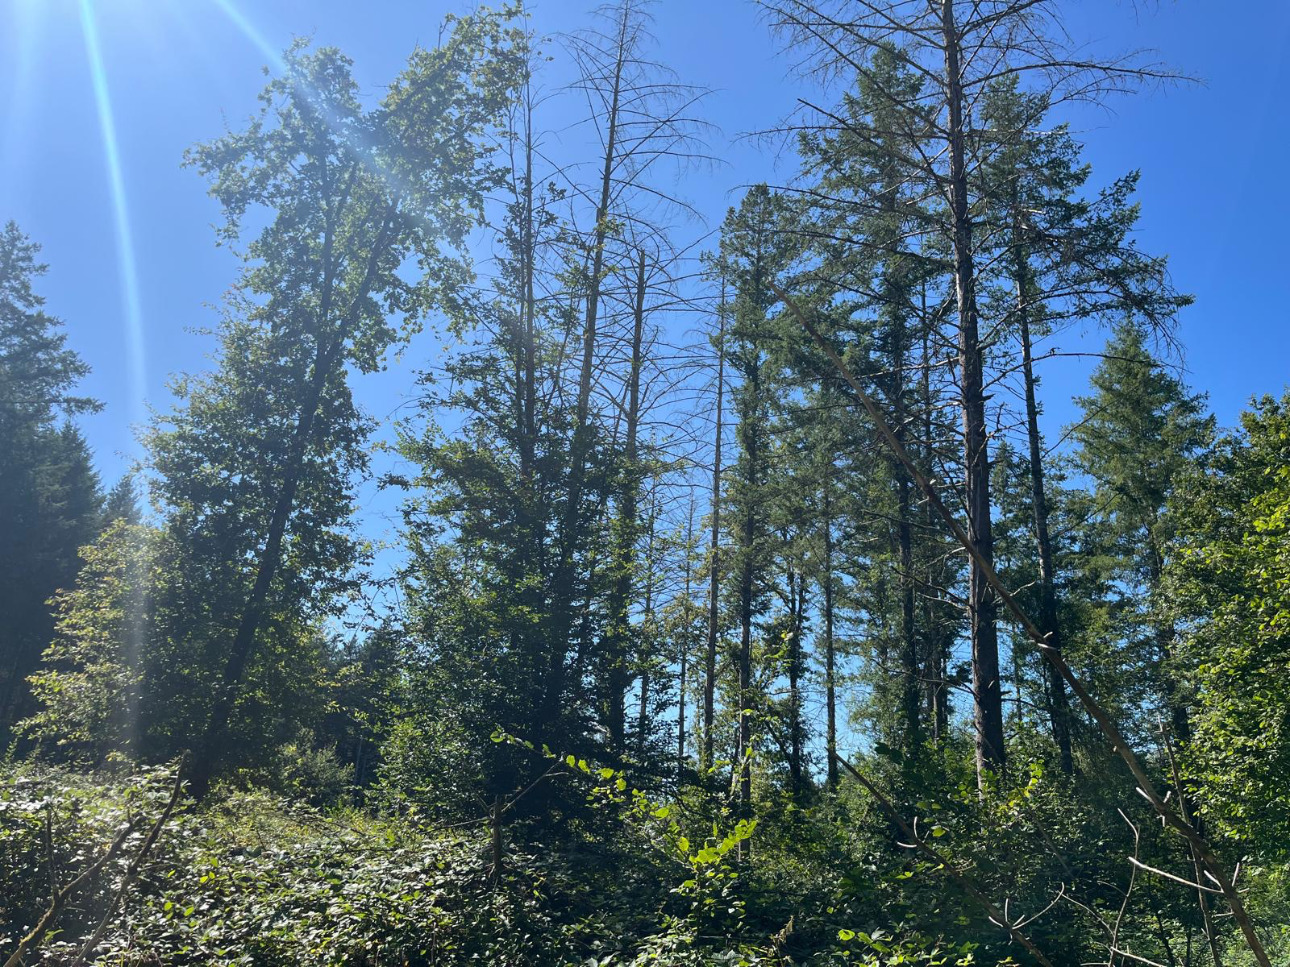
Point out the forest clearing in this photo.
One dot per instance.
(580, 534)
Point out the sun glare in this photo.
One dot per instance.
(127, 267)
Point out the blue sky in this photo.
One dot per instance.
(1213, 157)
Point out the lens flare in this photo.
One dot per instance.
(345, 133)
(248, 29)
(121, 212)
(21, 66)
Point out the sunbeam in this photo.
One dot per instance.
(249, 31)
(26, 25)
(121, 213)
(362, 151)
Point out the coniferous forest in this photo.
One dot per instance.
(744, 607)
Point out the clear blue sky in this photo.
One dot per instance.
(1213, 156)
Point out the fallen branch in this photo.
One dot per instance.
(1169, 876)
(62, 896)
(1206, 917)
(133, 871)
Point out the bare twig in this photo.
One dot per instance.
(1170, 876)
(1128, 891)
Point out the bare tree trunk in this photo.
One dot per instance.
(796, 729)
(1059, 704)
(643, 719)
(743, 744)
(830, 656)
(685, 641)
(987, 695)
(1166, 634)
(909, 665)
(1207, 919)
(1203, 852)
(618, 634)
(714, 554)
(937, 657)
(528, 447)
(564, 584)
(750, 444)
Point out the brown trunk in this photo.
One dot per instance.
(909, 669)
(1166, 633)
(564, 583)
(743, 744)
(796, 730)
(1059, 704)
(937, 668)
(987, 694)
(909, 666)
(747, 576)
(331, 338)
(642, 722)
(618, 634)
(528, 445)
(1119, 745)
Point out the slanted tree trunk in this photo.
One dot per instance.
(332, 334)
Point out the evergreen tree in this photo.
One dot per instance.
(1063, 259)
(1140, 432)
(49, 491)
(122, 502)
(755, 250)
(484, 607)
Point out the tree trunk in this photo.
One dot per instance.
(685, 642)
(643, 717)
(1059, 704)
(714, 555)
(564, 583)
(747, 577)
(618, 633)
(830, 657)
(987, 694)
(937, 667)
(796, 730)
(331, 341)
